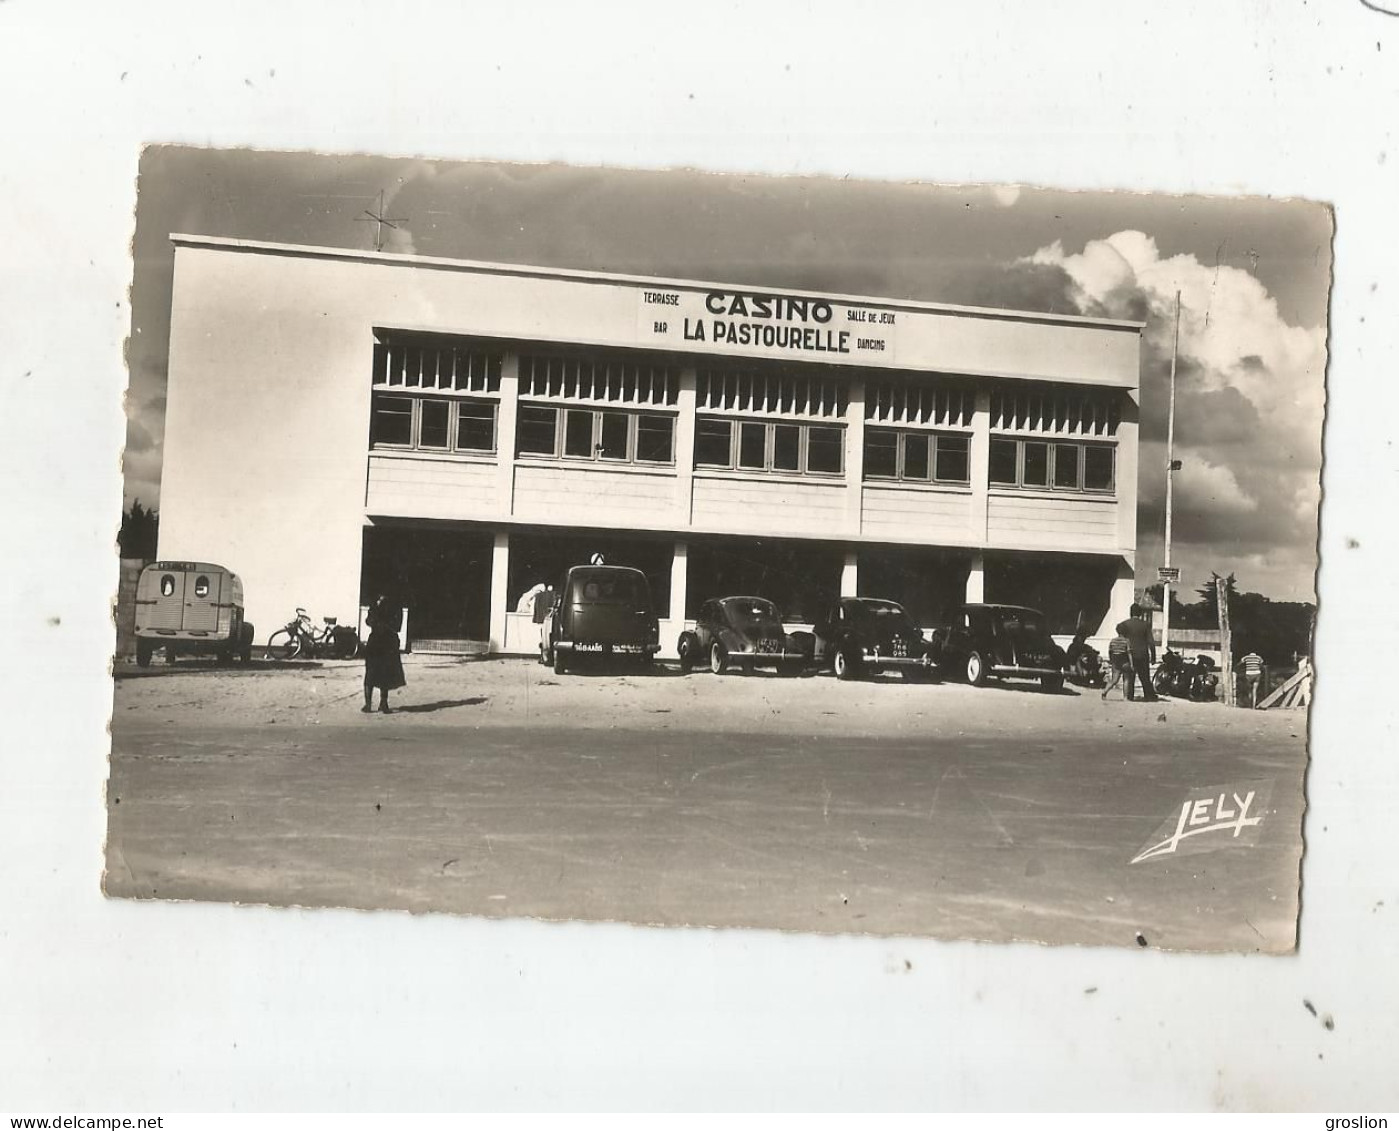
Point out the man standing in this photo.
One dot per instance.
(1137, 633)
(1252, 665)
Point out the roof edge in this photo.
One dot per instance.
(441, 263)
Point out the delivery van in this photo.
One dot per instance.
(191, 608)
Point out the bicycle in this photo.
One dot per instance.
(300, 639)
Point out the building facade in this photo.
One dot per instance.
(342, 423)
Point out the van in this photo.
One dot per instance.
(601, 610)
(191, 607)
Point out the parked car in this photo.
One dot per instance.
(1002, 641)
(865, 634)
(191, 607)
(600, 610)
(746, 632)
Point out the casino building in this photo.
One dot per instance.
(341, 423)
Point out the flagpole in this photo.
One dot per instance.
(1170, 479)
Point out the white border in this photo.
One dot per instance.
(151, 1007)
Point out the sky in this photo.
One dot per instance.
(1253, 275)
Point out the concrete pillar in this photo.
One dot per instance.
(500, 580)
(855, 457)
(979, 464)
(850, 574)
(679, 577)
(505, 436)
(685, 447)
(976, 579)
(1125, 483)
(1124, 592)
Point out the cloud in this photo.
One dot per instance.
(1250, 397)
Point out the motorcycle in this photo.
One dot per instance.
(1083, 664)
(1186, 679)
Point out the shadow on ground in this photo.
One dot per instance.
(440, 705)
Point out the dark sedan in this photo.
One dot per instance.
(742, 631)
(985, 641)
(866, 634)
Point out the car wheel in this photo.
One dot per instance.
(718, 658)
(976, 670)
(560, 662)
(845, 665)
(1052, 683)
(143, 653)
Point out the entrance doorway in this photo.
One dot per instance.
(442, 578)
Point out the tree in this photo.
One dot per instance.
(1209, 594)
(139, 528)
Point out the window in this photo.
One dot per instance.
(578, 434)
(614, 435)
(1005, 462)
(713, 439)
(881, 454)
(953, 460)
(537, 431)
(475, 427)
(825, 450)
(918, 457)
(1066, 457)
(786, 447)
(167, 585)
(201, 586)
(1034, 464)
(755, 445)
(1097, 467)
(392, 421)
(752, 445)
(595, 434)
(433, 424)
(1044, 466)
(655, 439)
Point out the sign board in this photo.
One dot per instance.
(775, 325)
(1168, 573)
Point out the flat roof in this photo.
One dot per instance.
(439, 263)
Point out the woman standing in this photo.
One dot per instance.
(383, 668)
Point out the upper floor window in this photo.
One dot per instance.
(434, 424)
(604, 435)
(759, 445)
(1045, 465)
(917, 457)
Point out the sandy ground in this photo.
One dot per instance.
(886, 806)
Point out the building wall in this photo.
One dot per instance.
(267, 466)
(897, 513)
